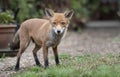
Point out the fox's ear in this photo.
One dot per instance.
(69, 14)
(49, 12)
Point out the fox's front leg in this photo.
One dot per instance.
(45, 56)
(56, 55)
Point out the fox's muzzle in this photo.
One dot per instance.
(59, 31)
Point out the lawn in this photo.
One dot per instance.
(78, 66)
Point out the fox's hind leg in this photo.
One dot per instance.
(35, 54)
(24, 42)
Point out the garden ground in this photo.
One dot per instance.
(91, 41)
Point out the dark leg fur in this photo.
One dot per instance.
(17, 64)
(35, 55)
(45, 55)
(18, 59)
(56, 55)
(46, 63)
(36, 59)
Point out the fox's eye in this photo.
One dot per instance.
(54, 23)
(63, 23)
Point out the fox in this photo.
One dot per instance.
(45, 33)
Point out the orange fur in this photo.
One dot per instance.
(44, 33)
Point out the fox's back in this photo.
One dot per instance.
(34, 24)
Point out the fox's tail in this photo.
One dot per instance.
(15, 44)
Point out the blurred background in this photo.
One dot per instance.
(95, 29)
(85, 10)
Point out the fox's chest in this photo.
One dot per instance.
(52, 42)
(53, 39)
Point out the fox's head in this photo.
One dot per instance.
(59, 21)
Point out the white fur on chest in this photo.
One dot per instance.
(53, 39)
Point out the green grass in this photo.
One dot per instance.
(78, 66)
(116, 40)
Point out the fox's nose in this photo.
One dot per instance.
(58, 31)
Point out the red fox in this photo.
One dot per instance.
(44, 33)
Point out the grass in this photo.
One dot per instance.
(78, 66)
(116, 39)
